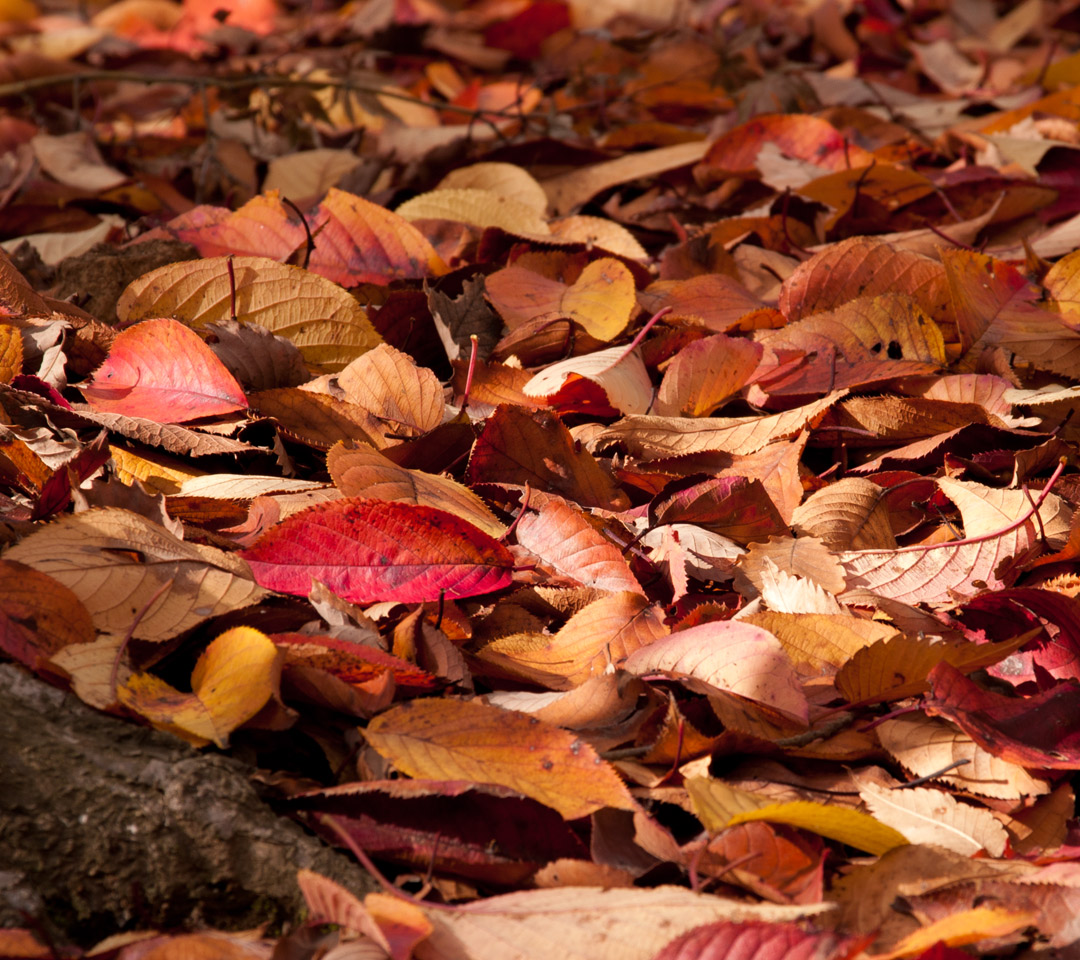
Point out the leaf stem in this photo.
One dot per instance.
(994, 534)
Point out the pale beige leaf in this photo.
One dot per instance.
(650, 437)
(124, 567)
(506, 179)
(481, 208)
(931, 816)
(621, 375)
(242, 486)
(985, 510)
(361, 471)
(391, 386)
(805, 557)
(941, 573)
(788, 593)
(323, 320)
(585, 923)
(925, 746)
(849, 514)
(562, 539)
(729, 657)
(595, 639)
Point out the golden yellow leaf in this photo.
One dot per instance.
(232, 681)
(460, 740)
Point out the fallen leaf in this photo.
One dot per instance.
(368, 551)
(162, 370)
(469, 741)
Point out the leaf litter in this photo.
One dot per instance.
(656, 422)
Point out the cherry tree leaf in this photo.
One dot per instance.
(162, 370)
(562, 539)
(367, 551)
(233, 680)
(134, 575)
(458, 740)
(587, 923)
(361, 242)
(753, 941)
(324, 321)
(727, 657)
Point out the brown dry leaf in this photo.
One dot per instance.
(361, 471)
(714, 299)
(233, 680)
(535, 448)
(861, 267)
(596, 639)
(328, 326)
(806, 557)
(1043, 825)
(728, 657)
(39, 616)
(562, 540)
(459, 740)
(705, 374)
(583, 923)
(935, 817)
(572, 189)
(787, 593)
(850, 514)
(896, 668)
(927, 746)
(654, 437)
(390, 385)
(317, 419)
(890, 326)
(133, 575)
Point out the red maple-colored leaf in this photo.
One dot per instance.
(371, 550)
(161, 370)
(728, 940)
(1041, 732)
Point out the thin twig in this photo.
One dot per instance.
(930, 776)
(31, 84)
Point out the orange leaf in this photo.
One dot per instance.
(162, 370)
(459, 740)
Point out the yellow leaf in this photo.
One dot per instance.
(719, 806)
(232, 681)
